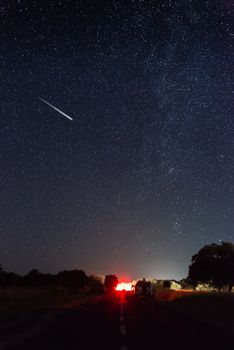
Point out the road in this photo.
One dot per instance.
(125, 323)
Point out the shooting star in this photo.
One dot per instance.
(56, 109)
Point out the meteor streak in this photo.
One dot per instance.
(55, 108)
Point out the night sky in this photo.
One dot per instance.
(143, 176)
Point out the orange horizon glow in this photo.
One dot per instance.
(127, 286)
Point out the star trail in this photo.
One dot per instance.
(143, 176)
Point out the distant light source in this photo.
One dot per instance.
(127, 286)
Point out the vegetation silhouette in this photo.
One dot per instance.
(37, 279)
(73, 280)
(214, 263)
(110, 283)
(95, 284)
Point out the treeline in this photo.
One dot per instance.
(213, 264)
(75, 279)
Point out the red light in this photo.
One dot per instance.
(127, 286)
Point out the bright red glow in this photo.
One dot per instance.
(127, 286)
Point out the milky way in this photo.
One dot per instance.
(143, 177)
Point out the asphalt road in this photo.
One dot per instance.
(122, 323)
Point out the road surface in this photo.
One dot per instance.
(125, 323)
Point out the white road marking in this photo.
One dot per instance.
(123, 329)
(122, 326)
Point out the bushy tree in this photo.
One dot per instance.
(111, 282)
(73, 279)
(95, 284)
(9, 279)
(167, 284)
(37, 279)
(214, 263)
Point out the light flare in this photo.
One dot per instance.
(124, 286)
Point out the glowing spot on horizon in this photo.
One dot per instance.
(127, 286)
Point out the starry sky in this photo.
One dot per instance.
(143, 176)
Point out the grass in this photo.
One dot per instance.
(16, 303)
(212, 307)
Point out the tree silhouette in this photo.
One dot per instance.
(33, 278)
(214, 263)
(8, 278)
(95, 284)
(166, 284)
(111, 282)
(73, 279)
